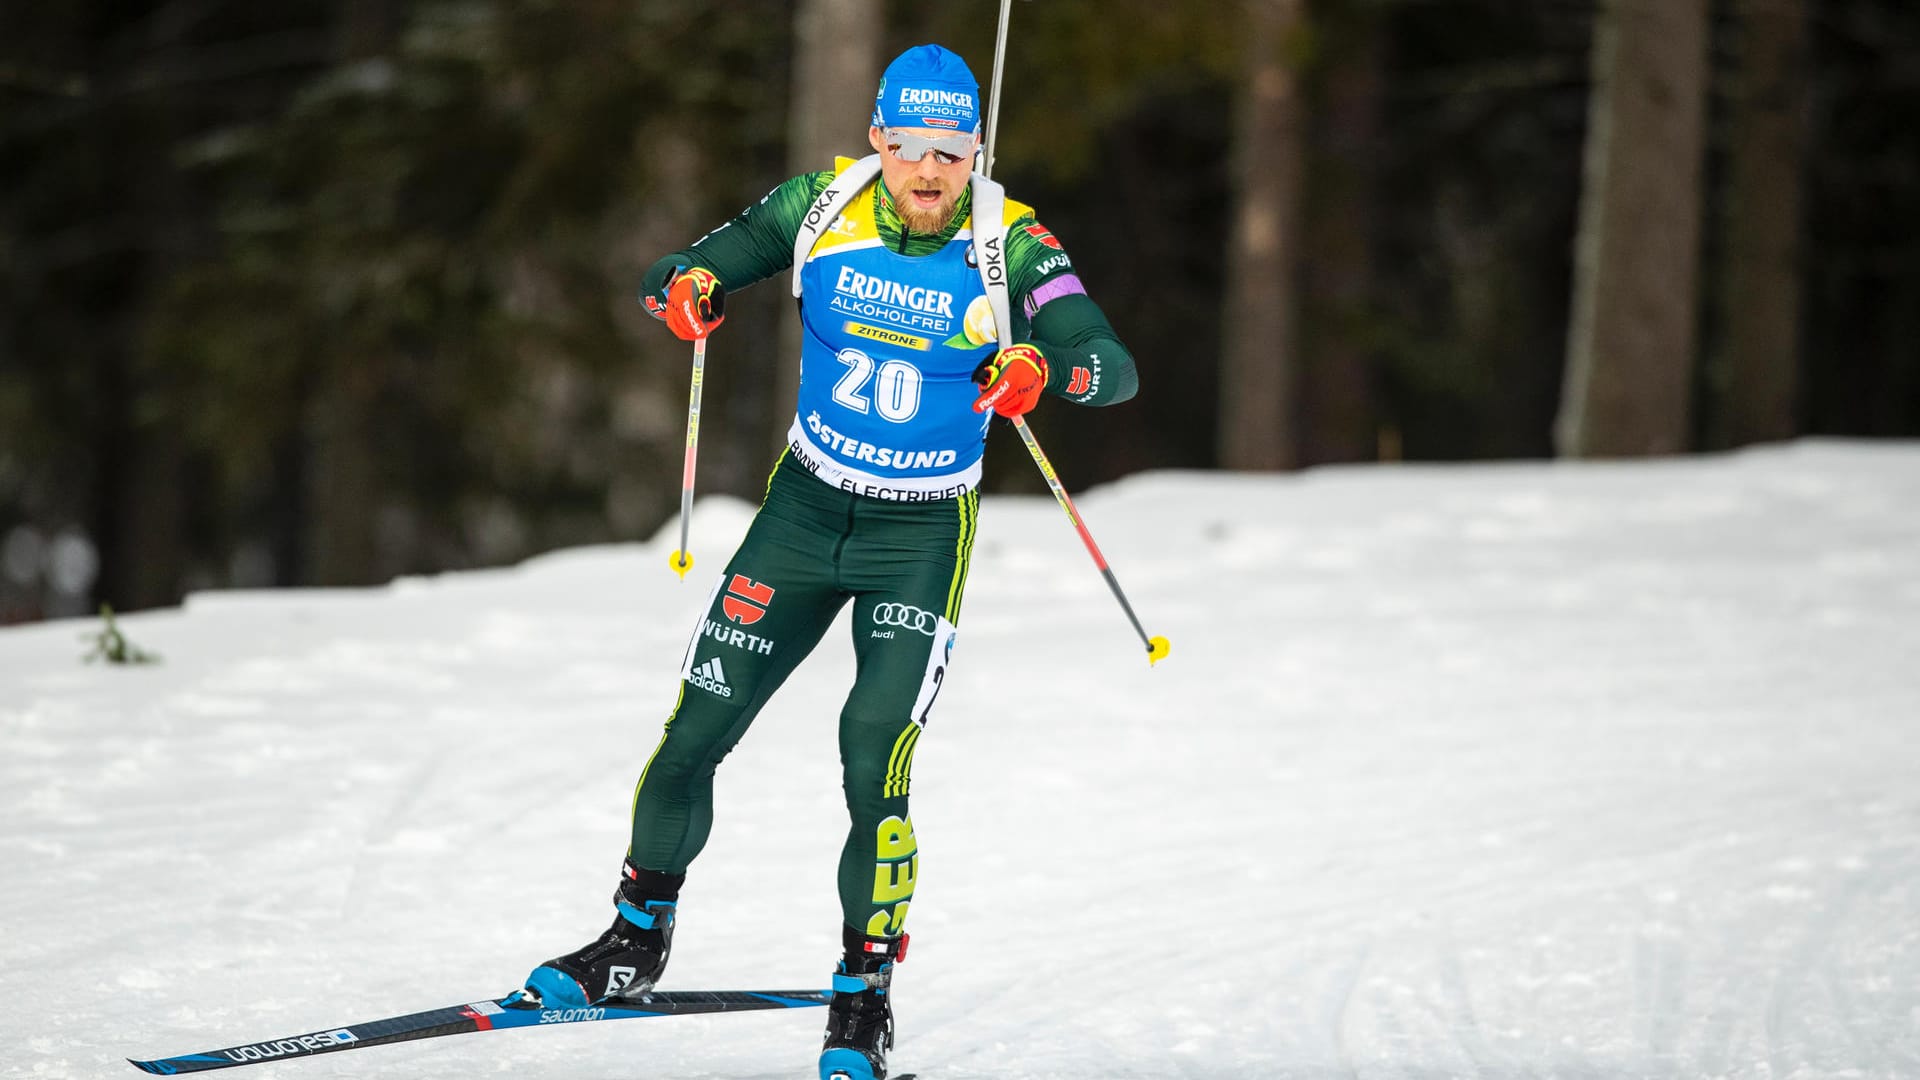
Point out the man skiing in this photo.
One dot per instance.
(930, 303)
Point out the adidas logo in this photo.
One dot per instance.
(712, 678)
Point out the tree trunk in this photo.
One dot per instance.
(1339, 418)
(342, 483)
(836, 69)
(143, 554)
(1755, 366)
(1636, 259)
(1258, 369)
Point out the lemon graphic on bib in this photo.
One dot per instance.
(978, 328)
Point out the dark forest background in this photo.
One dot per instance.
(325, 291)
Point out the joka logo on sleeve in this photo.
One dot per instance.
(746, 601)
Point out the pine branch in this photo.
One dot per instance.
(111, 645)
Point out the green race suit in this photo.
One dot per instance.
(818, 543)
(1052, 309)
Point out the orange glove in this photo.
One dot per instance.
(696, 304)
(1011, 381)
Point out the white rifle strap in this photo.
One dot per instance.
(989, 234)
(990, 251)
(826, 210)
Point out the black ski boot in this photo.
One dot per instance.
(860, 1019)
(625, 961)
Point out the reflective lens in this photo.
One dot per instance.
(946, 149)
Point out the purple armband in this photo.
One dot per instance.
(1053, 289)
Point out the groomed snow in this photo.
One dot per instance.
(1528, 770)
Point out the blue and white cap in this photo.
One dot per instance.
(928, 87)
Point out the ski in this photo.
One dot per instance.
(511, 1011)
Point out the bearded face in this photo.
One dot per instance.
(926, 191)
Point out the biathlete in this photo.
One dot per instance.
(930, 303)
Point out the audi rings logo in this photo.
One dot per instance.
(907, 616)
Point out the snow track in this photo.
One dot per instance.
(1523, 770)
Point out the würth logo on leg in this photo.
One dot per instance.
(746, 601)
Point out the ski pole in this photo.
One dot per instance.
(993, 100)
(681, 560)
(1157, 646)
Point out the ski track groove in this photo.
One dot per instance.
(412, 789)
(1659, 992)
(1455, 1008)
(1815, 939)
(1876, 880)
(1336, 1006)
(1713, 1051)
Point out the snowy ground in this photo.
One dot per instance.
(1501, 771)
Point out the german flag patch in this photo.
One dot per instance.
(1041, 233)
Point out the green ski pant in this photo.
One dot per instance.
(811, 549)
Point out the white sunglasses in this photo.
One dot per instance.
(946, 149)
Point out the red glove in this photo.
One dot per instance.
(1010, 382)
(696, 304)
